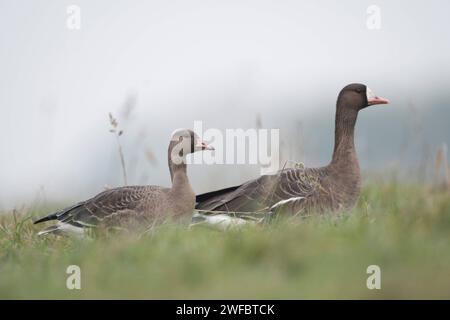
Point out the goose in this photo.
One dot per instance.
(131, 207)
(335, 186)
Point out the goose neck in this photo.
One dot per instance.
(344, 146)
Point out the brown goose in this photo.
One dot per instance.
(297, 191)
(136, 206)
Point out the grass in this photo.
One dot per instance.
(403, 228)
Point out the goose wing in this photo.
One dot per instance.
(111, 202)
(288, 187)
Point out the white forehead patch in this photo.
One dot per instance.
(185, 133)
(180, 132)
(369, 93)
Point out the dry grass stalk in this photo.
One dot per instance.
(114, 129)
(442, 161)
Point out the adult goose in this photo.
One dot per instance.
(301, 190)
(132, 207)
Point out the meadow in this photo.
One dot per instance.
(403, 227)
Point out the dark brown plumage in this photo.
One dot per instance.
(298, 191)
(137, 206)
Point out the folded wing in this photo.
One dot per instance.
(290, 188)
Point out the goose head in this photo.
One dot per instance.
(184, 142)
(357, 96)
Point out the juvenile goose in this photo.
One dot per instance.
(297, 191)
(136, 206)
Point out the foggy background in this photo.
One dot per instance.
(160, 65)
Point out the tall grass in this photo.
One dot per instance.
(403, 228)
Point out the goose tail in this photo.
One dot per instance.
(52, 216)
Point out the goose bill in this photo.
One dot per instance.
(204, 146)
(378, 100)
(373, 99)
